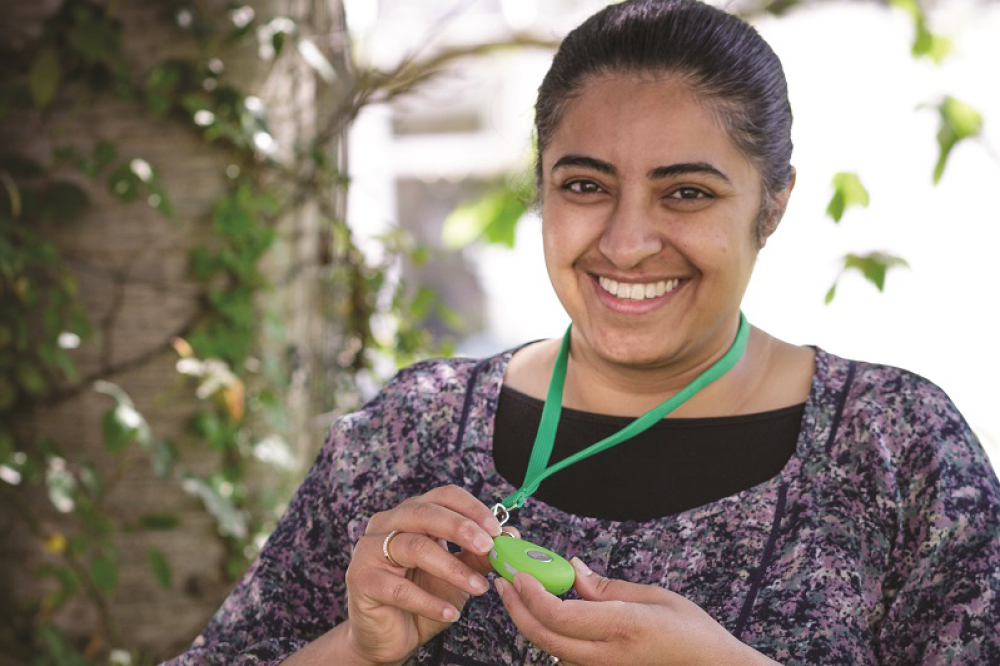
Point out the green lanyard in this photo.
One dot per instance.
(538, 464)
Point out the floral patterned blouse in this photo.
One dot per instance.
(877, 543)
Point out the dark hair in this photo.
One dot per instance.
(721, 57)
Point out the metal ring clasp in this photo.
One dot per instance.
(501, 513)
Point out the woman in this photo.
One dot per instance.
(799, 509)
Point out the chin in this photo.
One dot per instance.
(630, 352)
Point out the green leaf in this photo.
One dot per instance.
(494, 217)
(830, 294)
(873, 266)
(31, 379)
(104, 571)
(848, 190)
(43, 79)
(124, 183)
(164, 457)
(105, 152)
(160, 566)
(63, 201)
(158, 521)
(95, 37)
(959, 122)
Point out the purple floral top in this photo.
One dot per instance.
(878, 543)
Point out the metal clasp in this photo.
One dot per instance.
(501, 513)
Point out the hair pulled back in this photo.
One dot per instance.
(722, 58)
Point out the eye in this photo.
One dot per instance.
(582, 187)
(690, 194)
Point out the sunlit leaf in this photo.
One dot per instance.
(60, 485)
(847, 191)
(493, 218)
(959, 122)
(55, 543)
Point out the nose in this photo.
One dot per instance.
(630, 235)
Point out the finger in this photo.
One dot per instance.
(594, 587)
(558, 645)
(442, 514)
(481, 563)
(382, 588)
(584, 620)
(461, 501)
(416, 551)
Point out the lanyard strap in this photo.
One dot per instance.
(538, 469)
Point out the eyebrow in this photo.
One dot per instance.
(679, 169)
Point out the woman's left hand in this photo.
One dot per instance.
(618, 622)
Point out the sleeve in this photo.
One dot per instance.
(294, 592)
(942, 593)
(371, 460)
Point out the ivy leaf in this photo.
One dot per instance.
(104, 571)
(63, 201)
(95, 37)
(160, 566)
(158, 521)
(43, 79)
(848, 190)
(959, 121)
(122, 424)
(124, 183)
(873, 266)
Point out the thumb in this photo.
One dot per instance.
(594, 587)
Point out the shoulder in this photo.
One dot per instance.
(897, 401)
(900, 425)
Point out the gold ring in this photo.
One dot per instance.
(385, 549)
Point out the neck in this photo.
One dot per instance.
(595, 385)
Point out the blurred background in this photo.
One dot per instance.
(222, 225)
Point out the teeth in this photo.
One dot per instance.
(637, 292)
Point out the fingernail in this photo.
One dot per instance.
(499, 586)
(492, 525)
(582, 568)
(479, 584)
(482, 543)
(517, 584)
(450, 614)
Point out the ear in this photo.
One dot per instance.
(776, 210)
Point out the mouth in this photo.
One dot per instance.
(638, 291)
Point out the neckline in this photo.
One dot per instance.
(598, 417)
(491, 383)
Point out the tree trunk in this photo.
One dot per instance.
(132, 266)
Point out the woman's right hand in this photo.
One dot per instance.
(393, 610)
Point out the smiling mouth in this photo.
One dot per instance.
(638, 291)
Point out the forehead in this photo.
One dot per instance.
(643, 121)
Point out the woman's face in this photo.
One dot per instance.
(648, 211)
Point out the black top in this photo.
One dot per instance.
(676, 465)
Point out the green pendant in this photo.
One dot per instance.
(510, 556)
